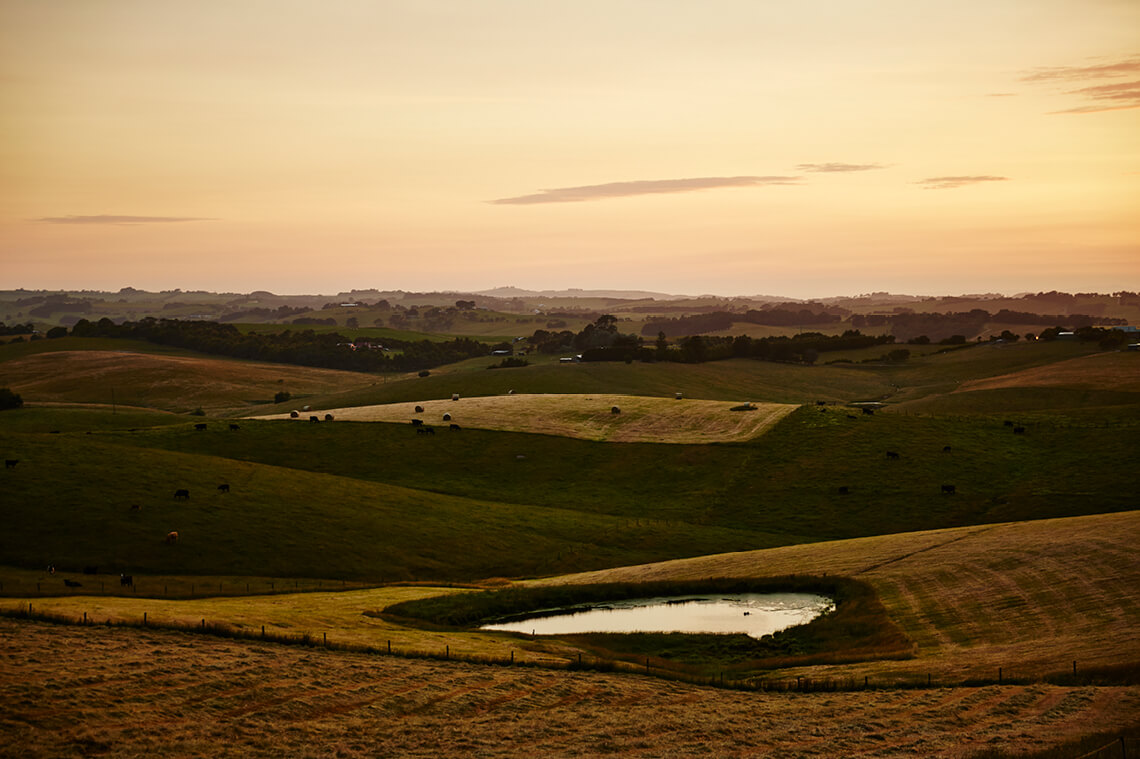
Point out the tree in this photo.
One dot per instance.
(55, 332)
(352, 322)
(281, 397)
(8, 399)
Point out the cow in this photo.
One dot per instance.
(234, 426)
(11, 463)
(844, 490)
(615, 410)
(91, 570)
(126, 580)
(223, 488)
(419, 409)
(136, 507)
(892, 455)
(417, 422)
(72, 584)
(1018, 430)
(429, 430)
(314, 420)
(852, 416)
(868, 411)
(200, 426)
(172, 536)
(946, 449)
(182, 494)
(455, 427)
(1007, 423)
(949, 490)
(821, 403)
(328, 417)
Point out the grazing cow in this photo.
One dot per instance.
(11, 463)
(1007, 423)
(946, 449)
(200, 426)
(328, 417)
(417, 422)
(172, 536)
(126, 580)
(615, 410)
(821, 403)
(314, 420)
(447, 417)
(455, 427)
(294, 414)
(91, 570)
(1018, 430)
(223, 488)
(72, 584)
(419, 409)
(182, 494)
(949, 490)
(135, 507)
(234, 426)
(852, 416)
(868, 411)
(429, 430)
(892, 455)
(844, 490)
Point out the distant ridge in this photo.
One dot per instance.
(576, 292)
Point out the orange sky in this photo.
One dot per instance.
(730, 146)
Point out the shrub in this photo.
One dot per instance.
(281, 397)
(8, 399)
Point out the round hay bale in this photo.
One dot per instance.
(447, 417)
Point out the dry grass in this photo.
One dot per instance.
(115, 692)
(587, 417)
(1100, 371)
(170, 383)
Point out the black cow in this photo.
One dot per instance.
(1018, 430)
(234, 426)
(223, 488)
(135, 507)
(821, 403)
(892, 455)
(200, 426)
(126, 580)
(1007, 423)
(946, 449)
(72, 584)
(314, 420)
(868, 411)
(615, 410)
(455, 427)
(949, 490)
(182, 494)
(11, 463)
(417, 422)
(429, 430)
(844, 490)
(91, 570)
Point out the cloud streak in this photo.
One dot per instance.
(641, 187)
(1114, 96)
(829, 168)
(949, 183)
(110, 219)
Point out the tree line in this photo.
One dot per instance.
(305, 347)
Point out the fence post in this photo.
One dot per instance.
(326, 638)
(447, 652)
(263, 632)
(84, 617)
(144, 619)
(1074, 666)
(389, 646)
(647, 665)
(512, 656)
(999, 675)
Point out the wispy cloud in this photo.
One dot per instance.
(948, 183)
(1104, 97)
(109, 219)
(829, 168)
(640, 187)
(1126, 67)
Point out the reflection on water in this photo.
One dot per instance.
(754, 614)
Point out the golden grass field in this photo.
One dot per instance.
(587, 417)
(165, 382)
(1029, 597)
(1100, 371)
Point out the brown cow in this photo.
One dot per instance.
(172, 537)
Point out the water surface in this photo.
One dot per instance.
(754, 614)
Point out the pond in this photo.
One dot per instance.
(754, 614)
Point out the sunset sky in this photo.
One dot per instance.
(733, 147)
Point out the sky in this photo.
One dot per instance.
(729, 147)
